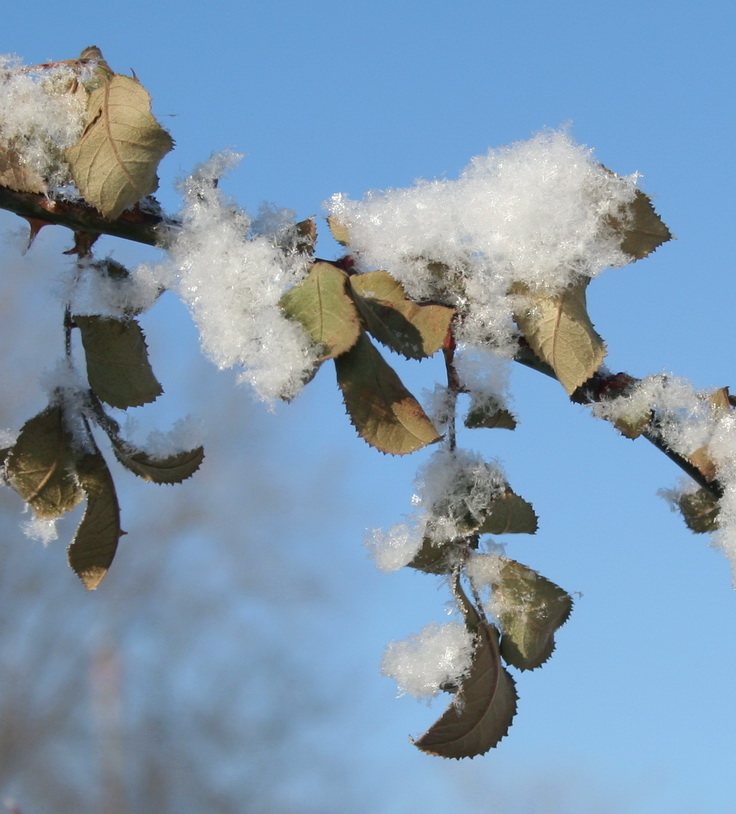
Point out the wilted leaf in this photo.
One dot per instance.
(325, 309)
(114, 162)
(699, 511)
(93, 549)
(482, 712)
(559, 331)
(40, 465)
(383, 411)
(510, 514)
(414, 330)
(339, 231)
(640, 228)
(169, 469)
(530, 608)
(489, 415)
(117, 361)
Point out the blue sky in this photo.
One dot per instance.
(635, 712)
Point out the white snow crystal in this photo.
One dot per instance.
(436, 656)
(39, 118)
(395, 548)
(40, 529)
(233, 284)
(536, 212)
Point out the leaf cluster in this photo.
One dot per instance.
(113, 164)
(352, 316)
(341, 312)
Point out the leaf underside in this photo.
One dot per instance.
(168, 469)
(530, 608)
(93, 549)
(118, 369)
(382, 410)
(510, 514)
(412, 329)
(482, 713)
(40, 465)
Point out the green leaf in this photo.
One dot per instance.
(169, 469)
(325, 309)
(529, 608)
(382, 410)
(640, 228)
(114, 162)
(93, 549)
(484, 709)
(40, 465)
(117, 361)
(484, 413)
(412, 329)
(699, 511)
(509, 514)
(559, 331)
(436, 557)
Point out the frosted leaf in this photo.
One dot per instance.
(438, 655)
(271, 221)
(683, 416)
(538, 212)
(40, 117)
(93, 290)
(232, 285)
(456, 490)
(185, 434)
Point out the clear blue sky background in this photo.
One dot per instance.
(636, 712)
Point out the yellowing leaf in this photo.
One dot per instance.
(559, 331)
(530, 608)
(322, 305)
(114, 162)
(483, 710)
(382, 410)
(40, 465)
(117, 361)
(412, 329)
(339, 231)
(93, 549)
(169, 469)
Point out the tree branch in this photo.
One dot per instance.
(136, 224)
(604, 385)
